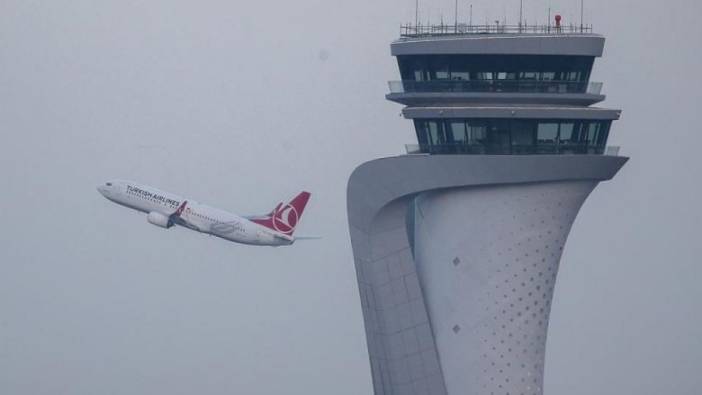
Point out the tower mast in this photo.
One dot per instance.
(456, 18)
(521, 14)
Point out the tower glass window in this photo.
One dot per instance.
(529, 73)
(511, 136)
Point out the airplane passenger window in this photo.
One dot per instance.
(109, 184)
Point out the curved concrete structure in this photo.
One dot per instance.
(439, 243)
(487, 259)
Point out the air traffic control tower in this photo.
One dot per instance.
(457, 243)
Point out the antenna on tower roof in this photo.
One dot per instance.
(471, 15)
(456, 18)
(582, 14)
(416, 13)
(521, 14)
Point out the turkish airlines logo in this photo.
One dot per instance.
(285, 220)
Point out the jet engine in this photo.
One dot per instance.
(159, 219)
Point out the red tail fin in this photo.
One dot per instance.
(275, 210)
(285, 217)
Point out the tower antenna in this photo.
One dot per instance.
(582, 14)
(416, 14)
(471, 16)
(521, 14)
(456, 18)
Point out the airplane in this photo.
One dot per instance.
(165, 210)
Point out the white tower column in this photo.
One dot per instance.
(487, 259)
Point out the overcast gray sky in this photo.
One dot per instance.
(242, 104)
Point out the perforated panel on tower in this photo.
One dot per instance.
(487, 260)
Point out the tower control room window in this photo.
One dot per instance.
(459, 132)
(512, 136)
(499, 137)
(439, 68)
(572, 71)
(478, 131)
(523, 135)
(547, 136)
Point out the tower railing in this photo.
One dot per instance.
(495, 86)
(414, 31)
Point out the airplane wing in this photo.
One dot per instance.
(177, 219)
(180, 210)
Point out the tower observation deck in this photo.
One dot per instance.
(457, 244)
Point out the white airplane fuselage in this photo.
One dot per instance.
(161, 210)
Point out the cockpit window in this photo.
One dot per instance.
(109, 184)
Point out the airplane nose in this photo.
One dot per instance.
(101, 189)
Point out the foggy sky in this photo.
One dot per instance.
(242, 104)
